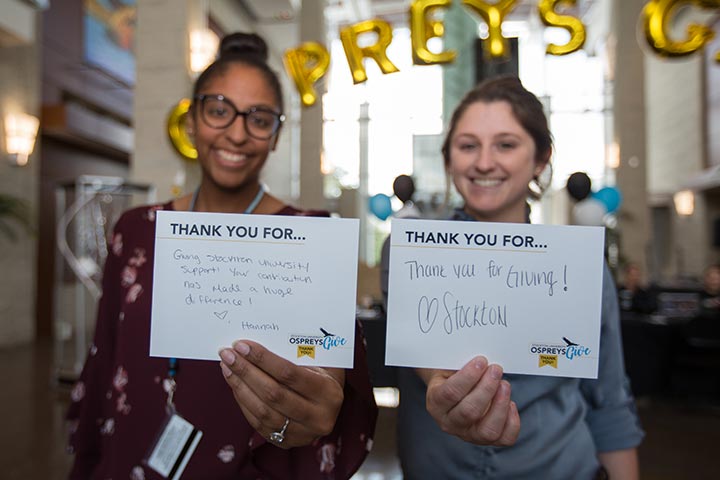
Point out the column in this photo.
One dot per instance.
(162, 80)
(312, 28)
(629, 131)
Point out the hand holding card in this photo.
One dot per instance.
(288, 404)
(473, 403)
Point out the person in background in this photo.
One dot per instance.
(261, 416)
(710, 294)
(478, 422)
(632, 295)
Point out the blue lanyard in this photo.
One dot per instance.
(251, 208)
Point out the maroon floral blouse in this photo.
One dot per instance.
(118, 404)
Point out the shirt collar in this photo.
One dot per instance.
(460, 214)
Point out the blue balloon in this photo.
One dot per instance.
(610, 197)
(381, 206)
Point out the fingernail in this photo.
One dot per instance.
(481, 363)
(505, 387)
(242, 348)
(495, 372)
(227, 356)
(225, 370)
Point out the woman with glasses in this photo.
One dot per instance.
(260, 415)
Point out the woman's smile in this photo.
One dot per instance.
(230, 157)
(487, 182)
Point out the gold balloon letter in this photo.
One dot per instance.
(493, 14)
(349, 36)
(306, 65)
(546, 9)
(656, 17)
(177, 132)
(423, 29)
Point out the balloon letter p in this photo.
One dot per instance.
(306, 65)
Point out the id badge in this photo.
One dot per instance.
(174, 446)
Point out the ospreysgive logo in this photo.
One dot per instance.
(548, 354)
(306, 344)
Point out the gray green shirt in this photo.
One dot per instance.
(565, 422)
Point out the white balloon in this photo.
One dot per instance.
(589, 212)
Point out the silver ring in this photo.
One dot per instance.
(279, 437)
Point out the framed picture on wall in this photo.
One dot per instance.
(110, 36)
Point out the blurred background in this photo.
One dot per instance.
(91, 123)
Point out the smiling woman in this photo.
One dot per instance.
(497, 145)
(260, 415)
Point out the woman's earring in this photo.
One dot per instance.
(535, 188)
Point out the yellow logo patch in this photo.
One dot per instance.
(308, 350)
(551, 360)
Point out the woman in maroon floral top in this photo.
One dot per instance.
(119, 402)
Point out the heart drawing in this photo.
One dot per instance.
(221, 315)
(427, 313)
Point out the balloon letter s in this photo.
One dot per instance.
(546, 9)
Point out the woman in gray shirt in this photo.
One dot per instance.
(467, 423)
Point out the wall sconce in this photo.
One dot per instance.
(684, 201)
(203, 48)
(20, 133)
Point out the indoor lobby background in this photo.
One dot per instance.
(103, 76)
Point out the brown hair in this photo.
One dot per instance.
(526, 107)
(247, 49)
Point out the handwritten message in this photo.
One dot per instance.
(286, 282)
(526, 296)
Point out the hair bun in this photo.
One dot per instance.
(242, 44)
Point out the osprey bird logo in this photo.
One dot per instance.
(326, 333)
(569, 343)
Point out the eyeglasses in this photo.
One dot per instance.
(219, 112)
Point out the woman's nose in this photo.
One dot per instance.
(484, 160)
(236, 131)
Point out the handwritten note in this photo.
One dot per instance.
(288, 283)
(526, 296)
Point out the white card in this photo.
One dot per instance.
(288, 283)
(528, 297)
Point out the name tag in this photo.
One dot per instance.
(174, 447)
